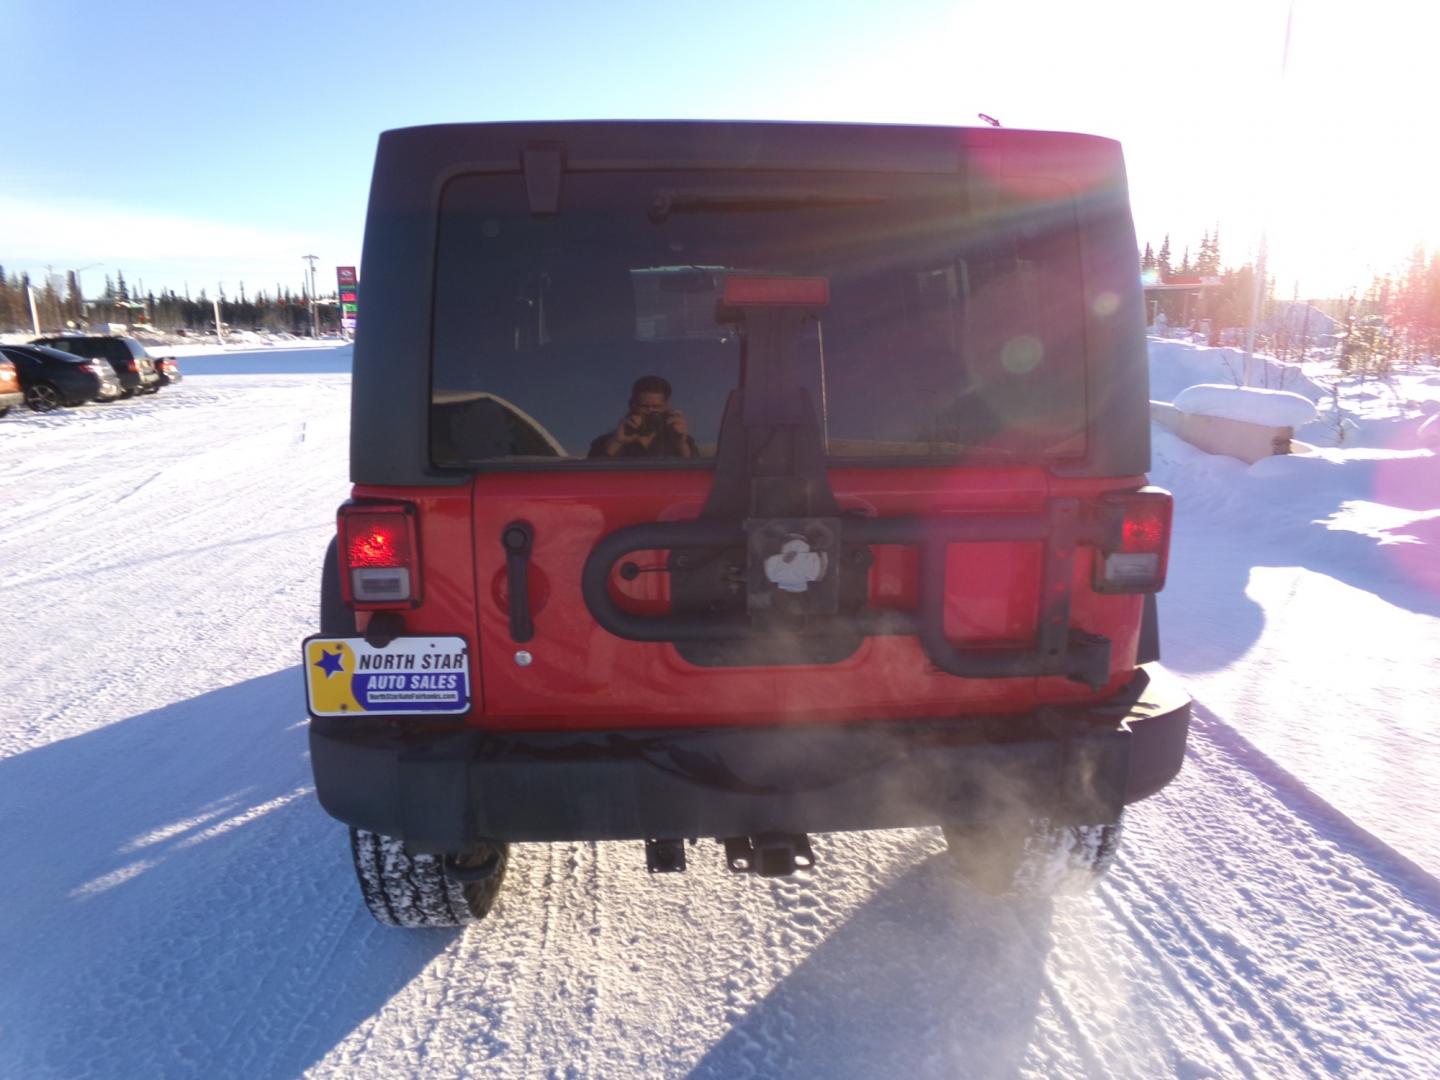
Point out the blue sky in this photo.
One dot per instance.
(183, 143)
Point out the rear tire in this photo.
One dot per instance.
(42, 397)
(1034, 857)
(413, 891)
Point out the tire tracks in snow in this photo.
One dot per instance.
(1304, 802)
(1272, 927)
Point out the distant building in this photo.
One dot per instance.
(1183, 298)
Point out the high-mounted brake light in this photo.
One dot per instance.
(380, 567)
(748, 290)
(1135, 559)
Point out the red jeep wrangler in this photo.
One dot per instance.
(746, 481)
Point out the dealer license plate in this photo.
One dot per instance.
(348, 676)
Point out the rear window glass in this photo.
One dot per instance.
(955, 323)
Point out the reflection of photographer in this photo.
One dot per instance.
(650, 429)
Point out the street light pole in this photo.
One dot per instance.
(314, 326)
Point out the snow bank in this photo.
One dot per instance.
(1251, 404)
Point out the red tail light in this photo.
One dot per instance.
(379, 556)
(1137, 551)
(133, 365)
(743, 290)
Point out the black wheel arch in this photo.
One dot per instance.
(336, 618)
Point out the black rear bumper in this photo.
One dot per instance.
(442, 791)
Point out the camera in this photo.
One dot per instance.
(650, 424)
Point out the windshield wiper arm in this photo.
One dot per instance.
(669, 201)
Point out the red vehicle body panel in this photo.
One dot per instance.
(581, 677)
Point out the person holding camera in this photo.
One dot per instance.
(650, 429)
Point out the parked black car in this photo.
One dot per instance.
(50, 378)
(126, 355)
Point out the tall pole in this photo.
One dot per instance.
(34, 314)
(314, 326)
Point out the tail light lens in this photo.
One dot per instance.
(9, 381)
(1137, 546)
(134, 365)
(379, 554)
(742, 290)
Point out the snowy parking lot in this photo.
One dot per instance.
(179, 904)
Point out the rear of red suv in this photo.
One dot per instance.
(747, 482)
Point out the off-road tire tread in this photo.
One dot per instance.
(401, 889)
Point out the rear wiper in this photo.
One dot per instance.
(669, 201)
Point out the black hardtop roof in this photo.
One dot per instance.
(439, 148)
(656, 131)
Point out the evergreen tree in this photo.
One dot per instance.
(7, 317)
(121, 292)
(74, 301)
(1162, 261)
(1185, 267)
(109, 293)
(1429, 337)
(49, 304)
(1147, 260)
(1208, 262)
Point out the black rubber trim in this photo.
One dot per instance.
(1148, 650)
(336, 617)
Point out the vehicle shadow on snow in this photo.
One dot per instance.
(1208, 622)
(178, 903)
(927, 979)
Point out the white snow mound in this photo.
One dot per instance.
(1273, 408)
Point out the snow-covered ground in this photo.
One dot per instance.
(179, 905)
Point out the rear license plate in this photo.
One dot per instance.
(347, 676)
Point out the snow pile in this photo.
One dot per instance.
(1304, 594)
(1175, 365)
(1251, 404)
(1295, 317)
